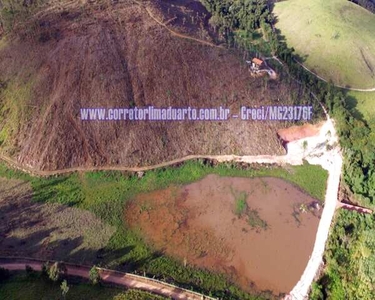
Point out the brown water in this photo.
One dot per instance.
(198, 223)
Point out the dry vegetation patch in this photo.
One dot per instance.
(47, 230)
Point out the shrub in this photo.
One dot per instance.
(55, 271)
(45, 268)
(137, 295)
(29, 271)
(94, 275)
(4, 274)
(64, 288)
(316, 292)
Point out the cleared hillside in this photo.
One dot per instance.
(107, 54)
(334, 38)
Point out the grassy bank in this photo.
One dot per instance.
(35, 287)
(106, 194)
(335, 38)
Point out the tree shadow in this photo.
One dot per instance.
(15, 213)
(47, 191)
(36, 245)
(282, 39)
(25, 232)
(352, 103)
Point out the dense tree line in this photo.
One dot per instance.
(248, 15)
(367, 4)
(350, 259)
(239, 14)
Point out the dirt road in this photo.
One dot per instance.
(295, 156)
(175, 33)
(332, 161)
(339, 86)
(110, 276)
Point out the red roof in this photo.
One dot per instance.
(257, 61)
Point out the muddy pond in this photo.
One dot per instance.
(258, 231)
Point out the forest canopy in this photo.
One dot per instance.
(367, 4)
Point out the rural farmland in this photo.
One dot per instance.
(187, 149)
(334, 39)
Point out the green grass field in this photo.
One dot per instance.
(336, 38)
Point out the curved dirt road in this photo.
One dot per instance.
(175, 33)
(295, 156)
(338, 86)
(331, 161)
(110, 276)
(262, 159)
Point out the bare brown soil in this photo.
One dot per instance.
(197, 223)
(48, 231)
(187, 16)
(295, 133)
(87, 54)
